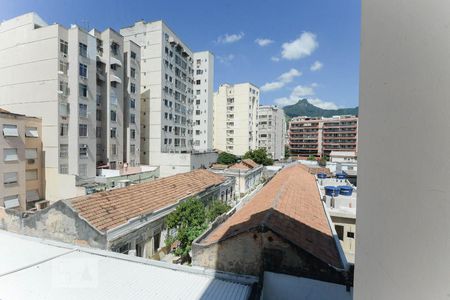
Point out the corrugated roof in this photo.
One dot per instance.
(54, 270)
(107, 210)
(290, 206)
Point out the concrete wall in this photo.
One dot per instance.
(56, 222)
(402, 251)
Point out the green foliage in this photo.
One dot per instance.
(304, 108)
(323, 162)
(226, 158)
(311, 157)
(190, 219)
(259, 156)
(287, 152)
(215, 209)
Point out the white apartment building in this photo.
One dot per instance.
(203, 97)
(167, 99)
(272, 130)
(73, 80)
(235, 118)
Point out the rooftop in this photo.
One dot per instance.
(344, 206)
(290, 206)
(109, 209)
(245, 164)
(55, 270)
(342, 154)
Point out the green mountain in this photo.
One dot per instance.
(304, 108)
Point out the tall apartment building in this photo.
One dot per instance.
(272, 130)
(235, 118)
(73, 80)
(319, 136)
(167, 99)
(203, 97)
(20, 161)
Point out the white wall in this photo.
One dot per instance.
(403, 243)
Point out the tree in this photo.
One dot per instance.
(226, 158)
(311, 157)
(215, 209)
(259, 156)
(323, 162)
(287, 152)
(189, 221)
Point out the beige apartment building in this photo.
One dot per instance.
(235, 118)
(74, 81)
(20, 161)
(272, 130)
(167, 99)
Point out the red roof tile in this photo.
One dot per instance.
(290, 206)
(107, 210)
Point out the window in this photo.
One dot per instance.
(133, 55)
(31, 153)
(82, 170)
(33, 195)
(351, 235)
(82, 49)
(82, 110)
(11, 201)
(132, 134)
(10, 178)
(113, 149)
(115, 48)
(98, 132)
(63, 129)
(31, 132)
(113, 133)
(340, 231)
(31, 175)
(132, 118)
(98, 115)
(198, 81)
(64, 88)
(63, 169)
(10, 154)
(199, 72)
(83, 151)
(83, 70)
(63, 150)
(63, 67)
(63, 46)
(10, 130)
(83, 90)
(82, 130)
(113, 115)
(132, 103)
(133, 73)
(132, 148)
(132, 88)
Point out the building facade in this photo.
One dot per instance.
(20, 161)
(203, 97)
(73, 80)
(235, 118)
(318, 136)
(272, 130)
(167, 99)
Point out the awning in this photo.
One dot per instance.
(115, 61)
(10, 130)
(115, 78)
(31, 132)
(32, 195)
(12, 201)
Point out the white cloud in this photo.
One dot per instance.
(301, 47)
(274, 58)
(263, 42)
(316, 66)
(225, 59)
(282, 80)
(301, 91)
(230, 38)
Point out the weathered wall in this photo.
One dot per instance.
(57, 222)
(253, 252)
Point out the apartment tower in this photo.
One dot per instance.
(272, 130)
(235, 118)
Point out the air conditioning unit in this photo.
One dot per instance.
(41, 204)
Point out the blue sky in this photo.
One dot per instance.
(291, 49)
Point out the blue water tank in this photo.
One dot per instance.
(341, 175)
(321, 175)
(332, 191)
(346, 190)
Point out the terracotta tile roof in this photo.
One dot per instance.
(107, 210)
(316, 170)
(245, 164)
(250, 162)
(3, 110)
(290, 206)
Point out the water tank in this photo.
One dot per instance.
(321, 175)
(341, 175)
(346, 190)
(332, 191)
